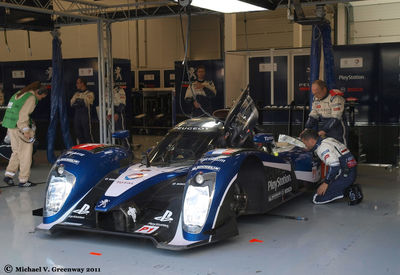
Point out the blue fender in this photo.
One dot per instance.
(88, 167)
(226, 163)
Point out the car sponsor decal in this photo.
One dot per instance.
(103, 203)
(133, 176)
(73, 161)
(147, 229)
(166, 217)
(279, 193)
(179, 183)
(73, 153)
(83, 211)
(159, 224)
(206, 167)
(212, 159)
(278, 182)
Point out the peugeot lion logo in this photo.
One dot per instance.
(166, 217)
(132, 212)
(84, 210)
(103, 203)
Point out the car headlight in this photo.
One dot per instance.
(197, 202)
(58, 189)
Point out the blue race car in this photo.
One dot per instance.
(187, 191)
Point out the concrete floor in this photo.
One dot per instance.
(336, 239)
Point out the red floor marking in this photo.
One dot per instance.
(94, 253)
(256, 241)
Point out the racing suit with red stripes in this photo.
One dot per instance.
(327, 115)
(342, 168)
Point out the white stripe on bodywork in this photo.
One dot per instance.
(178, 239)
(283, 166)
(121, 185)
(308, 176)
(222, 201)
(48, 226)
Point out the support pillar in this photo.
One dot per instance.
(230, 32)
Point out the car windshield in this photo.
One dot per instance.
(182, 148)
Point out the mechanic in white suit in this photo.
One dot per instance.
(342, 172)
(327, 114)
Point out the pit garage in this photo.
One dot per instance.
(191, 137)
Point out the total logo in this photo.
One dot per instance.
(84, 210)
(134, 176)
(166, 217)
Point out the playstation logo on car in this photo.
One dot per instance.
(84, 210)
(166, 217)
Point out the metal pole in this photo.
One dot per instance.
(110, 80)
(100, 61)
(272, 76)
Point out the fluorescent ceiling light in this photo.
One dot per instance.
(25, 20)
(226, 6)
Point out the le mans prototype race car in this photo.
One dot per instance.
(187, 191)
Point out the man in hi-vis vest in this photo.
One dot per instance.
(21, 133)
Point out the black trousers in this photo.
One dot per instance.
(82, 127)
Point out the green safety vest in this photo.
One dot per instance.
(13, 108)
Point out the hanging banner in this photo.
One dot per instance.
(214, 72)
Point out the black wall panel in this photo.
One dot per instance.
(357, 76)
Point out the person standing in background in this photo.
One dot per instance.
(82, 101)
(21, 132)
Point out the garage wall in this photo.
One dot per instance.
(375, 21)
(272, 29)
(160, 42)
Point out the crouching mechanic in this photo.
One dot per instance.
(342, 172)
(21, 132)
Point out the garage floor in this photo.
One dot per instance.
(336, 239)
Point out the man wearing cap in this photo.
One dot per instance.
(21, 132)
(327, 116)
